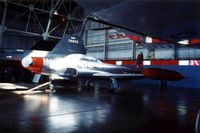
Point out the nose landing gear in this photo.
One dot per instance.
(52, 87)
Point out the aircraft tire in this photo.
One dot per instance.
(90, 84)
(52, 87)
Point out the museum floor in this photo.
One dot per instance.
(133, 109)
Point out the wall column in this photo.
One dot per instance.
(2, 26)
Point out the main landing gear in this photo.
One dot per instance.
(114, 86)
(90, 84)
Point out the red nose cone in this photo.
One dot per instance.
(34, 64)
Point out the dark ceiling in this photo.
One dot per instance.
(171, 20)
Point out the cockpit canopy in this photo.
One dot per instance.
(90, 59)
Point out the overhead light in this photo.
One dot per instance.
(55, 13)
(184, 42)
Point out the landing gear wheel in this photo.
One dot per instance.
(90, 84)
(52, 87)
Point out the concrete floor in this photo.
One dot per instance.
(134, 109)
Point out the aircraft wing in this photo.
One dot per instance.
(169, 20)
(119, 76)
(60, 77)
(101, 75)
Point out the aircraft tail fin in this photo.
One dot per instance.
(69, 45)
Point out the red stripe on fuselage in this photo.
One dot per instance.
(37, 65)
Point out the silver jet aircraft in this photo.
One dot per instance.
(68, 61)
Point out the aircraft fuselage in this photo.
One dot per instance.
(75, 65)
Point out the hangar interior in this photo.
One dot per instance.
(127, 49)
(41, 24)
(113, 46)
(27, 25)
(33, 21)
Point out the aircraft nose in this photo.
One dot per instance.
(27, 61)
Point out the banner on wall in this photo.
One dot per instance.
(116, 36)
(195, 62)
